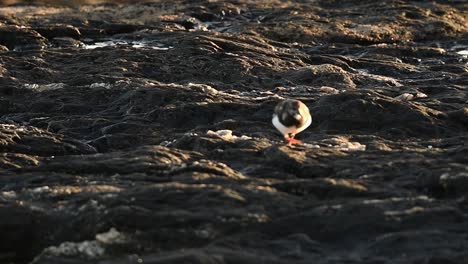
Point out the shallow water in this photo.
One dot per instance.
(127, 43)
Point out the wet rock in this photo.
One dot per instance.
(59, 31)
(17, 161)
(319, 75)
(351, 111)
(460, 116)
(66, 42)
(15, 37)
(322, 188)
(31, 140)
(20, 225)
(147, 159)
(141, 132)
(454, 184)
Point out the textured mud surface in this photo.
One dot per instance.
(141, 133)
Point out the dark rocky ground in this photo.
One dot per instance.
(123, 154)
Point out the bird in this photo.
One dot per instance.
(291, 117)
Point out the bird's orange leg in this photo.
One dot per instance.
(291, 140)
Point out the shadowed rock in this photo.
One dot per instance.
(138, 132)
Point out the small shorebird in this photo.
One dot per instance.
(290, 118)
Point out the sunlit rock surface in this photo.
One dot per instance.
(141, 133)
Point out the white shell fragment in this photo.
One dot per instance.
(111, 237)
(410, 96)
(227, 135)
(352, 146)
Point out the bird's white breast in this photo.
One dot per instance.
(306, 125)
(283, 129)
(289, 130)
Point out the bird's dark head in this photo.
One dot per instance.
(291, 113)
